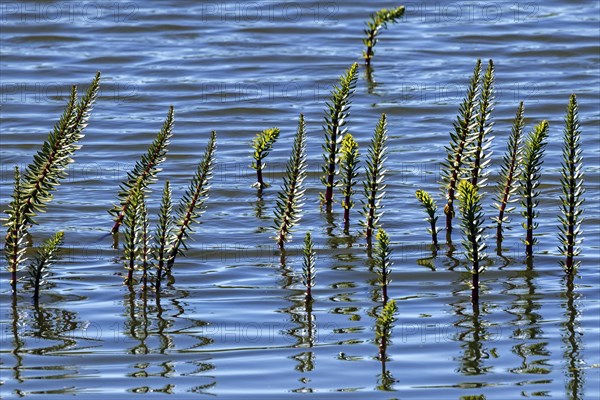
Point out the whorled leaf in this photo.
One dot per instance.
(144, 171)
(308, 265)
(349, 173)
(458, 152)
(385, 322)
(262, 145)
(15, 247)
(531, 164)
(481, 154)
(39, 268)
(378, 21)
(288, 207)
(430, 206)
(191, 206)
(571, 181)
(133, 234)
(336, 116)
(374, 185)
(383, 261)
(509, 172)
(163, 234)
(472, 223)
(43, 175)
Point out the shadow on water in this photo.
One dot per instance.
(572, 338)
(306, 359)
(531, 345)
(17, 341)
(385, 379)
(450, 261)
(259, 211)
(154, 328)
(472, 335)
(429, 262)
(371, 83)
(303, 329)
(43, 331)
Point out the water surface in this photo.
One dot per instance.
(233, 323)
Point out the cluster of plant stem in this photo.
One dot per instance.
(376, 23)
(465, 171)
(336, 117)
(460, 149)
(155, 252)
(33, 187)
(464, 175)
(482, 139)
(468, 158)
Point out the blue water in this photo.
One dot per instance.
(233, 323)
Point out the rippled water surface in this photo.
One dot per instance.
(233, 321)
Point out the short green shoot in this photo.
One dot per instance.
(349, 173)
(262, 145)
(383, 262)
(430, 206)
(378, 21)
(308, 265)
(39, 268)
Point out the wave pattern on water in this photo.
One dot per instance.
(234, 322)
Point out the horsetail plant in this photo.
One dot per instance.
(144, 251)
(572, 188)
(163, 235)
(289, 199)
(34, 186)
(428, 203)
(191, 206)
(483, 140)
(131, 244)
(472, 222)
(459, 149)
(46, 255)
(509, 174)
(336, 116)
(383, 262)
(374, 186)
(378, 21)
(144, 171)
(308, 265)
(349, 172)
(44, 174)
(262, 145)
(384, 325)
(531, 164)
(14, 248)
